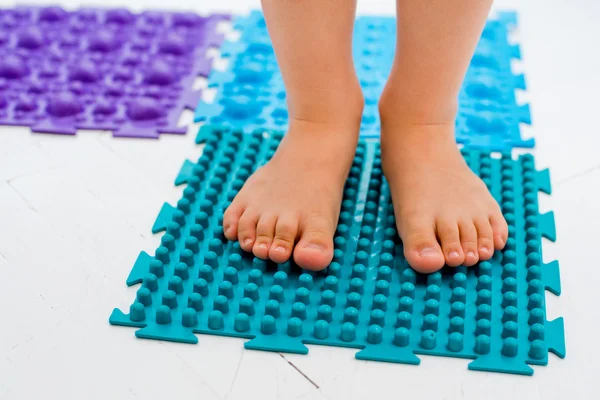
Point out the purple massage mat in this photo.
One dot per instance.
(132, 74)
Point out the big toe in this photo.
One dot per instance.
(314, 251)
(425, 257)
(421, 248)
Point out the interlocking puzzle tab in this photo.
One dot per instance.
(251, 94)
(113, 70)
(368, 298)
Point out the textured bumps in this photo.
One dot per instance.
(101, 69)
(251, 93)
(368, 298)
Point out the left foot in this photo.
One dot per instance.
(444, 212)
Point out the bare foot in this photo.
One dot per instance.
(444, 212)
(292, 203)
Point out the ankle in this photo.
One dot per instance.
(413, 131)
(336, 107)
(400, 109)
(334, 138)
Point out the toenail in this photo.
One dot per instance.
(454, 254)
(484, 250)
(247, 241)
(262, 246)
(316, 247)
(470, 254)
(426, 252)
(280, 249)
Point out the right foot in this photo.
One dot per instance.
(291, 204)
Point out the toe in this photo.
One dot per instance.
(421, 248)
(286, 230)
(247, 229)
(468, 241)
(449, 237)
(230, 220)
(485, 241)
(314, 250)
(265, 230)
(500, 230)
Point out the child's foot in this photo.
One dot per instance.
(444, 212)
(292, 203)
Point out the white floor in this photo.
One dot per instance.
(75, 211)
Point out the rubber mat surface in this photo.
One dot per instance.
(368, 298)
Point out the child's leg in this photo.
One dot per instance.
(292, 203)
(444, 212)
